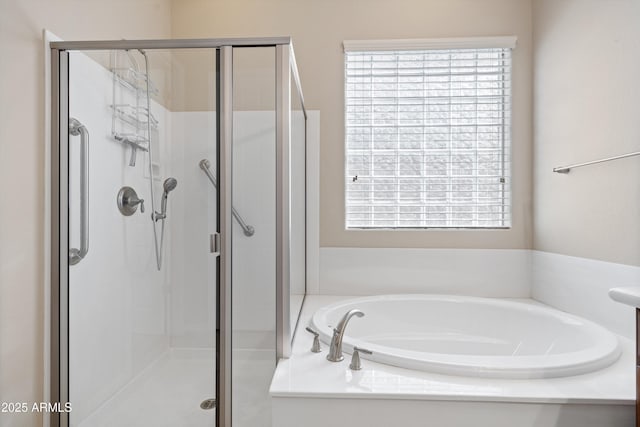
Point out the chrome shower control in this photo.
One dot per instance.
(128, 201)
(315, 348)
(355, 364)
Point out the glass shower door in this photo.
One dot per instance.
(140, 293)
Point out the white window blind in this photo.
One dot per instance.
(428, 138)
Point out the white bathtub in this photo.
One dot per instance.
(471, 336)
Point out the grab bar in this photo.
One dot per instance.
(247, 229)
(567, 169)
(76, 128)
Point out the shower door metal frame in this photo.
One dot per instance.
(59, 273)
(283, 201)
(59, 333)
(224, 330)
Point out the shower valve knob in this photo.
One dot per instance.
(128, 201)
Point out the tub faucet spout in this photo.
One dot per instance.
(335, 350)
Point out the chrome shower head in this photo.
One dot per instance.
(169, 184)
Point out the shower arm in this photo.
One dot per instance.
(247, 229)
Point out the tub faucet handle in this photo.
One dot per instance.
(355, 364)
(315, 348)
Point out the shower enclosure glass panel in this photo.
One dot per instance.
(178, 229)
(298, 151)
(141, 302)
(254, 270)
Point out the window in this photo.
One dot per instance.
(428, 133)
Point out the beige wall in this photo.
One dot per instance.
(587, 106)
(22, 166)
(318, 29)
(254, 73)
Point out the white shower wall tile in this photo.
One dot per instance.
(478, 272)
(192, 217)
(254, 198)
(117, 298)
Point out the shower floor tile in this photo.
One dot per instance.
(252, 373)
(167, 393)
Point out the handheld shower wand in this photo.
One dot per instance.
(169, 185)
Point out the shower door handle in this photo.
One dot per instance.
(76, 128)
(214, 244)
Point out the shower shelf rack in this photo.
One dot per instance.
(134, 116)
(135, 122)
(134, 80)
(135, 141)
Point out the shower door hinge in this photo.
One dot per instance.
(214, 244)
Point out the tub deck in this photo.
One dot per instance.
(307, 380)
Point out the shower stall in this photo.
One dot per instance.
(178, 229)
